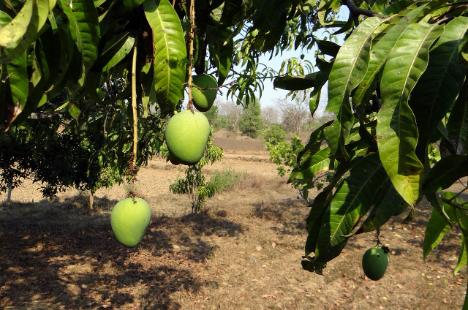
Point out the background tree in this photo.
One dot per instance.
(232, 113)
(270, 116)
(250, 122)
(216, 120)
(293, 113)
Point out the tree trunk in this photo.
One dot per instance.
(9, 191)
(91, 200)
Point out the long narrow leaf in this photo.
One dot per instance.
(87, 34)
(440, 84)
(18, 79)
(445, 172)
(67, 43)
(170, 54)
(347, 72)
(39, 17)
(457, 126)
(320, 204)
(351, 201)
(301, 82)
(397, 134)
(380, 52)
(436, 229)
(18, 26)
(389, 203)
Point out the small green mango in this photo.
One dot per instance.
(204, 99)
(129, 220)
(375, 262)
(186, 136)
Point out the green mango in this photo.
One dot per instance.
(186, 136)
(375, 262)
(129, 220)
(203, 99)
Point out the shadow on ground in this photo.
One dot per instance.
(289, 215)
(61, 255)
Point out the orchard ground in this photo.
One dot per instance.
(242, 252)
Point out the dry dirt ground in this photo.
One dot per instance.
(242, 252)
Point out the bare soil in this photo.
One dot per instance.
(242, 252)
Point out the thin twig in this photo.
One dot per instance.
(455, 204)
(133, 167)
(189, 70)
(134, 107)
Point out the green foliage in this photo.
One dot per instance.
(285, 154)
(273, 134)
(250, 122)
(433, 154)
(218, 122)
(194, 184)
(221, 181)
(391, 84)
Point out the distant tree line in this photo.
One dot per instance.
(271, 123)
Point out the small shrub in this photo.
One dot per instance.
(220, 181)
(274, 134)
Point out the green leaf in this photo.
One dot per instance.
(347, 72)
(74, 110)
(110, 50)
(380, 52)
(65, 8)
(39, 17)
(462, 218)
(350, 202)
(67, 43)
(457, 125)
(232, 12)
(446, 172)
(320, 204)
(440, 84)
(221, 47)
(16, 29)
(123, 51)
(301, 82)
(315, 141)
(397, 133)
(87, 30)
(314, 220)
(267, 14)
(126, 6)
(436, 228)
(310, 168)
(170, 54)
(388, 203)
(328, 48)
(39, 78)
(314, 102)
(462, 256)
(18, 81)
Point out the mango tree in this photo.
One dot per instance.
(396, 86)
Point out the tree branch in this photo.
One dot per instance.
(357, 11)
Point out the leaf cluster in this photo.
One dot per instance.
(396, 86)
